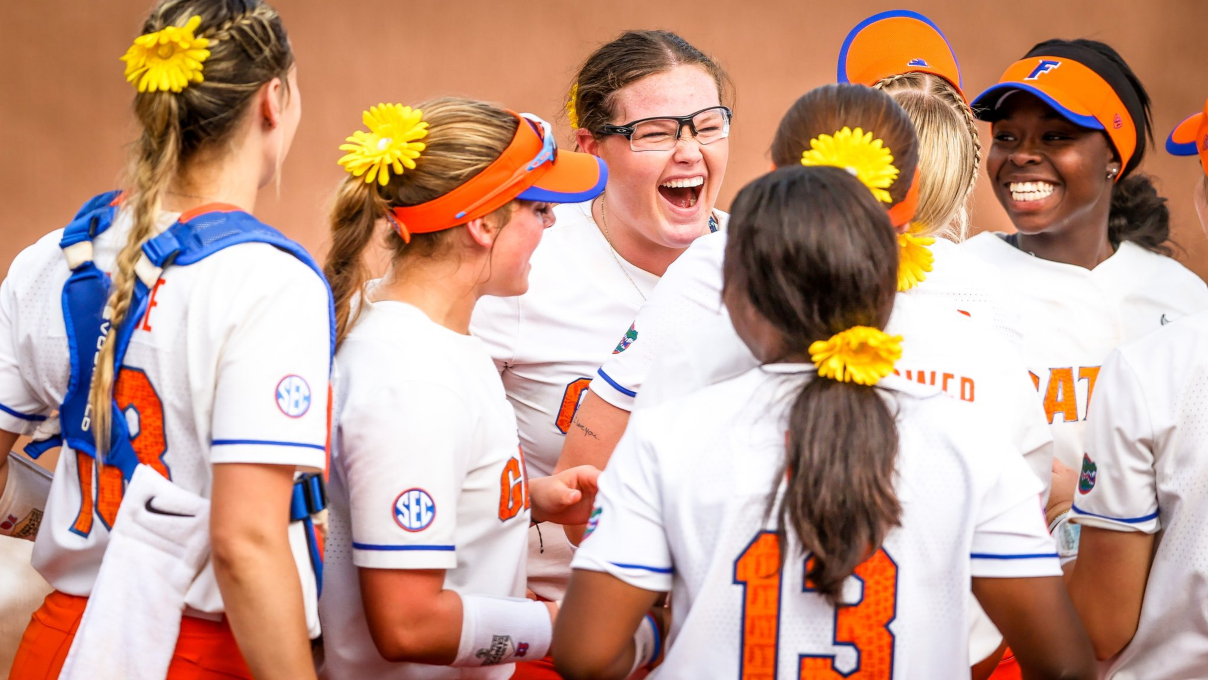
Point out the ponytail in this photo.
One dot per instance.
(813, 253)
(354, 218)
(840, 502)
(155, 166)
(1139, 214)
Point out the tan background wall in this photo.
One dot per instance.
(64, 116)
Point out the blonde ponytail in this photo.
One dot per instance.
(464, 137)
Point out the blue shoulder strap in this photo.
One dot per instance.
(83, 301)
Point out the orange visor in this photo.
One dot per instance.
(1191, 137)
(530, 168)
(896, 42)
(903, 211)
(1073, 90)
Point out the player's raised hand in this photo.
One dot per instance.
(565, 498)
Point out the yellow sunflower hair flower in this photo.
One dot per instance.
(914, 260)
(572, 113)
(858, 153)
(392, 143)
(860, 354)
(168, 59)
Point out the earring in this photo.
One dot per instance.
(1111, 173)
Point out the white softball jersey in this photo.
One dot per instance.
(972, 286)
(1071, 318)
(683, 504)
(1144, 469)
(692, 344)
(229, 364)
(547, 345)
(427, 473)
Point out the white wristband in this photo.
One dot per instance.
(498, 630)
(647, 644)
(1067, 536)
(23, 498)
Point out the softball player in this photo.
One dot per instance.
(1138, 581)
(215, 373)
(824, 519)
(430, 497)
(905, 55)
(653, 107)
(1089, 266)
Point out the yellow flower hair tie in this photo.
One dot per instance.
(914, 260)
(168, 59)
(860, 354)
(392, 143)
(572, 113)
(858, 153)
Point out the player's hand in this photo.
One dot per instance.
(565, 498)
(1061, 495)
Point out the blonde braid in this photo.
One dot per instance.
(153, 170)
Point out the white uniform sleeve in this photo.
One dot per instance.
(1117, 484)
(404, 459)
(20, 410)
(1030, 430)
(625, 536)
(271, 399)
(703, 356)
(496, 321)
(687, 296)
(1010, 539)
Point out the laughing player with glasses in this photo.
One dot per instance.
(595, 267)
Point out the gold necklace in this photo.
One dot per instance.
(613, 250)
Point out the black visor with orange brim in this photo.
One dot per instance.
(1082, 86)
(531, 168)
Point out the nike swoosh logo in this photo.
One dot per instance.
(1164, 320)
(163, 512)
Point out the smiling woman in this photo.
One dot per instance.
(655, 109)
(1088, 266)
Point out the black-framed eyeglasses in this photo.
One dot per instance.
(663, 132)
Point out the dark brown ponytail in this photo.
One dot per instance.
(815, 254)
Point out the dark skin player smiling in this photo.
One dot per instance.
(1033, 143)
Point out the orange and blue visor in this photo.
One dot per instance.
(1190, 137)
(893, 43)
(1080, 85)
(531, 168)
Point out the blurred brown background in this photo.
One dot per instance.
(64, 116)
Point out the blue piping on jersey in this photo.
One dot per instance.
(265, 442)
(657, 570)
(615, 384)
(1126, 520)
(374, 546)
(994, 556)
(22, 416)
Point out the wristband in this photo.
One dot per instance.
(647, 644)
(499, 630)
(1067, 536)
(23, 498)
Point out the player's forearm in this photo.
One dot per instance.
(426, 632)
(593, 434)
(262, 596)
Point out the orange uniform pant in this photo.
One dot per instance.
(205, 650)
(1008, 668)
(538, 669)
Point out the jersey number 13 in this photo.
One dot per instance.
(863, 625)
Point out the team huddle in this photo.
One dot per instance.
(587, 425)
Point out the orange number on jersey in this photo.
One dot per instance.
(570, 403)
(134, 394)
(863, 625)
(513, 488)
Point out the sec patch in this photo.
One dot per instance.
(414, 510)
(293, 396)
